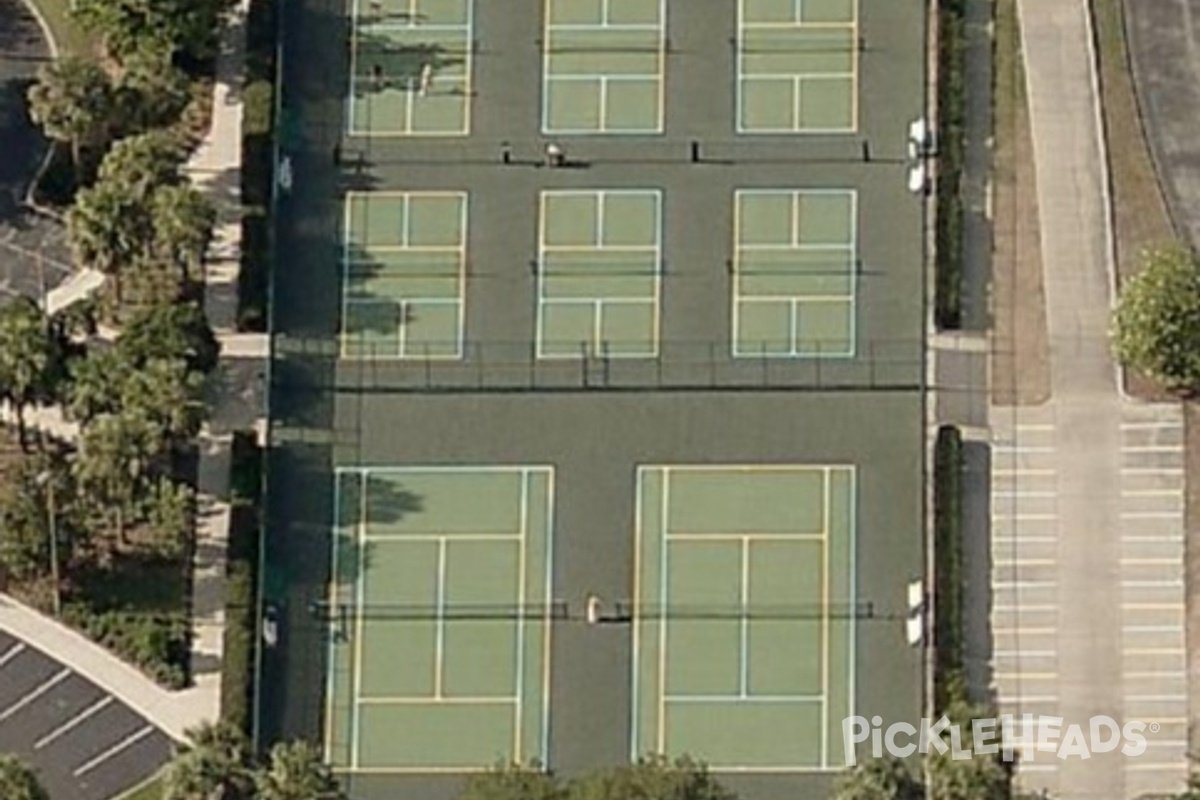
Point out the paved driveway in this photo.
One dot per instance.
(84, 743)
(33, 255)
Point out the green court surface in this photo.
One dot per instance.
(404, 261)
(797, 65)
(439, 618)
(795, 265)
(411, 68)
(599, 275)
(741, 656)
(603, 66)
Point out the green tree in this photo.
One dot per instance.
(215, 764)
(96, 384)
(107, 229)
(183, 221)
(168, 395)
(151, 91)
(129, 26)
(880, 779)
(1156, 325)
(652, 779)
(31, 359)
(295, 771)
(113, 465)
(73, 100)
(143, 163)
(173, 331)
(18, 781)
(514, 782)
(169, 509)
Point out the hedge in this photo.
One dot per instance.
(241, 601)
(951, 91)
(948, 556)
(258, 126)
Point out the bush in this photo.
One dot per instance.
(241, 602)
(951, 92)
(258, 166)
(1156, 325)
(160, 644)
(947, 522)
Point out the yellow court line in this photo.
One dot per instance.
(518, 711)
(359, 618)
(826, 494)
(664, 518)
(547, 534)
(636, 636)
(387, 700)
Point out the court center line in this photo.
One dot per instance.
(744, 632)
(440, 630)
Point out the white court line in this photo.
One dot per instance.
(1163, 584)
(1178, 607)
(125, 743)
(1154, 651)
(1155, 698)
(1148, 471)
(70, 724)
(1135, 426)
(1152, 448)
(1152, 561)
(1133, 539)
(1175, 674)
(12, 653)
(44, 687)
(1034, 426)
(1152, 629)
(1151, 492)
(1180, 767)
(1151, 514)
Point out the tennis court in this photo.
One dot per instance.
(744, 652)
(599, 273)
(602, 66)
(797, 66)
(404, 262)
(439, 618)
(795, 263)
(411, 64)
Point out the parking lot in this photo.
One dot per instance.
(85, 744)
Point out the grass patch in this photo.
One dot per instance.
(948, 555)
(258, 125)
(69, 36)
(237, 669)
(951, 132)
(1140, 216)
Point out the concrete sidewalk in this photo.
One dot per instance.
(1071, 487)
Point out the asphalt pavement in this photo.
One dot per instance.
(84, 743)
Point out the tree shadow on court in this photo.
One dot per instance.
(369, 314)
(381, 63)
(385, 503)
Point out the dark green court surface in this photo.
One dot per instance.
(427, 672)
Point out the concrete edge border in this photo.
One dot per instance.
(95, 663)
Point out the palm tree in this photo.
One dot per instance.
(31, 363)
(151, 92)
(215, 764)
(95, 384)
(880, 779)
(18, 781)
(73, 102)
(183, 220)
(295, 771)
(167, 394)
(112, 467)
(173, 331)
(107, 228)
(143, 163)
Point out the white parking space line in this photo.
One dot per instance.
(42, 688)
(70, 724)
(12, 653)
(125, 743)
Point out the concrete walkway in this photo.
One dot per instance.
(1066, 498)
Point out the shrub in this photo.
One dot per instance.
(237, 679)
